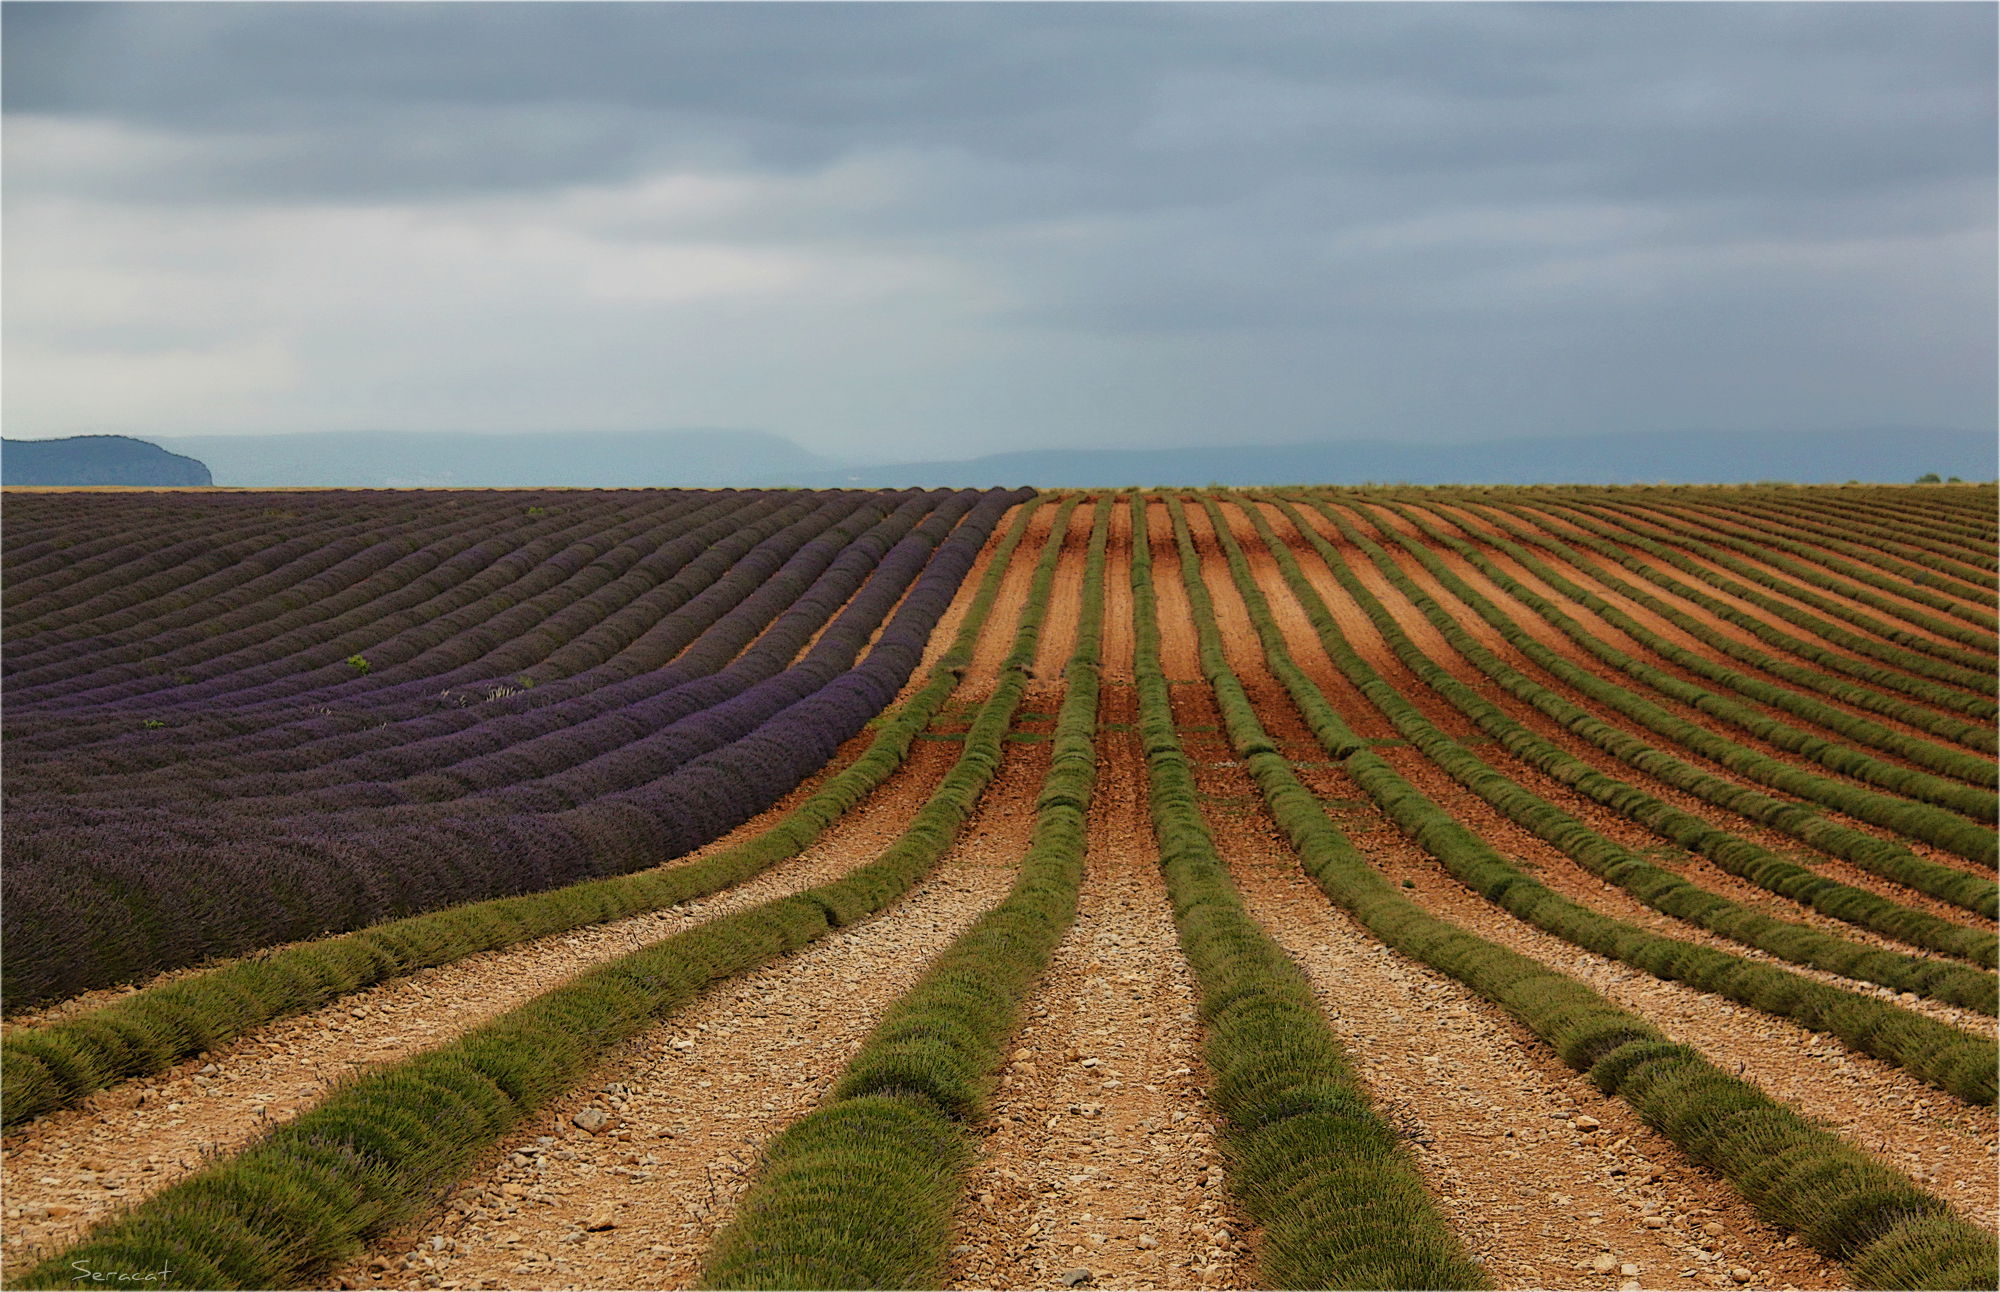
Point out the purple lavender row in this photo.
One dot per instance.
(81, 917)
(645, 704)
(94, 545)
(158, 568)
(222, 611)
(325, 569)
(428, 590)
(651, 614)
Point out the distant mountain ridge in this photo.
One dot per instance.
(97, 460)
(548, 459)
(702, 458)
(1714, 457)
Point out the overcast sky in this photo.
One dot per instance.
(918, 230)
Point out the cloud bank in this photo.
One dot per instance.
(895, 230)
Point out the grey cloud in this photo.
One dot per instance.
(1434, 199)
(393, 99)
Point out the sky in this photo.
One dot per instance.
(938, 230)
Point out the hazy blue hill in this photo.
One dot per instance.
(96, 460)
(721, 459)
(404, 459)
(1888, 456)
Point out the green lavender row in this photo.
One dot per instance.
(1878, 856)
(1965, 800)
(1730, 852)
(1880, 568)
(1909, 542)
(1945, 830)
(1949, 1057)
(1927, 754)
(1821, 678)
(1888, 1231)
(860, 1193)
(1340, 1202)
(1913, 652)
(1656, 886)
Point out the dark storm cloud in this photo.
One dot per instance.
(1648, 101)
(1618, 181)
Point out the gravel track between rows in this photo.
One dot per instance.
(144, 1135)
(689, 1123)
(1100, 1151)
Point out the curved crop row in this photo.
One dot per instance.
(579, 749)
(1819, 549)
(445, 612)
(1889, 1232)
(1946, 1056)
(1901, 816)
(661, 596)
(331, 556)
(1653, 885)
(1598, 538)
(1957, 559)
(1923, 753)
(152, 900)
(1912, 652)
(1878, 856)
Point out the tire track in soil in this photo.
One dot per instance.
(1110, 1167)
(1542, 1198)
(691, 1102)
(65, 1172)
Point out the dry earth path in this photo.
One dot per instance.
(1100, 1152)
